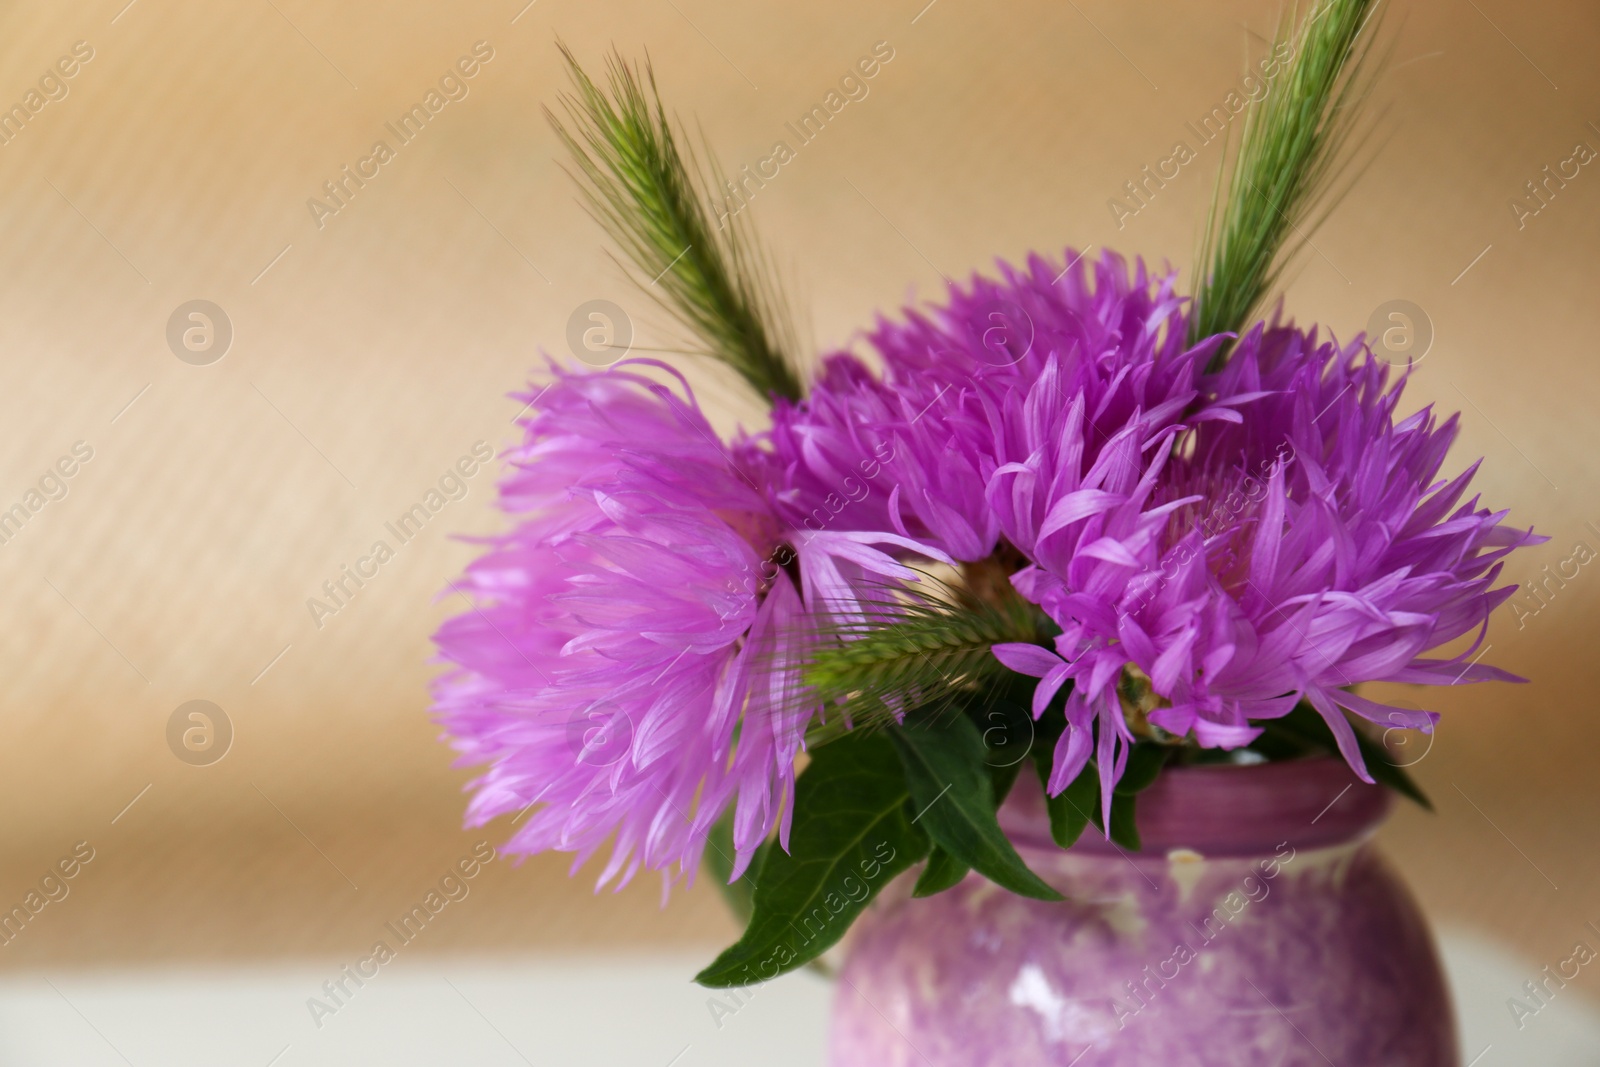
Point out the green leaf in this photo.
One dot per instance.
(1123, 830)
(1008, 733)
(718, 862)
(1392, 775)
(852, 833)
(1070, 810)
(1003, 717)
(1078, 805)
(1307, 726)
(1275, 743)
(1144, 764)
(942, 872)
(1143, 767)
(1002, 776)
(954, 795)
(1123, 812)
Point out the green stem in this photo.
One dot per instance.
(1288, 153)
(714, 279)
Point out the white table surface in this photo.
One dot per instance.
(625, 1011)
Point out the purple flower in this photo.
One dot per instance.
(1306, 545)
(1041, 409)
(1243, 541)
(982, 383)
(629, 665)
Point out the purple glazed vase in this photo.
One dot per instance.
(1258, 927)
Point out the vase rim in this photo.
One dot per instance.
(1226, 809)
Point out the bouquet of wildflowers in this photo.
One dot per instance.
(1075, 521)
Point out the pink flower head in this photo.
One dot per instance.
(1246, 540)
(1042, 409)
(628, 667)
(1306, 546)
(985, 401)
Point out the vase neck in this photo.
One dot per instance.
(1226, 810)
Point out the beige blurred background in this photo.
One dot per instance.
(372, 352)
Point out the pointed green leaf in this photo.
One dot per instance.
(1007, 729)
(1390, 774)
(1307, 726)
(852, 833)
(718, 862)
(1123, 830)
(1069, 811)
(954, 796)
(1004, 717)
(1144, 763)
(942, 872)
(1002, 776)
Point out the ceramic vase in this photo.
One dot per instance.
(1258, 926)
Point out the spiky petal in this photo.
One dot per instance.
(629, 665)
